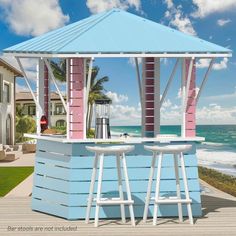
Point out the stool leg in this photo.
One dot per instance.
(122, 206)
(99, 189)
(178, 187)
(91, 189)
(131, 209)
(149, 189)
(186, 188)
(157, 192)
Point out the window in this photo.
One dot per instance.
(59, 109)
(6, 93)
(60, 123)
(31, 110)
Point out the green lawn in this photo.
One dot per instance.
(218, 180)
(10, 177)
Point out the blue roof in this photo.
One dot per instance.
(115, 31)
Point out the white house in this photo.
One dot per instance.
(57, 111)
(8, 73)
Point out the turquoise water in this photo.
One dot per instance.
(219, 134)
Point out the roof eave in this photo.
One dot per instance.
(15, 71)
(120, 54)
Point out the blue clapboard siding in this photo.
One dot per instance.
(85, 174)
(87, 161)
(73, 213)
(63, 172)
(78, 149)
(79, 199)
(83, 186)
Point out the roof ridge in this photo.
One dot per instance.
(104, 16)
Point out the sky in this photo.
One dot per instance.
(211, 20)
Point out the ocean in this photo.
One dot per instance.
(217, 152)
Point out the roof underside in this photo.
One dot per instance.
(116, 32)
(11, 68)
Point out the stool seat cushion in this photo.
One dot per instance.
(112, 150)
(169, 149)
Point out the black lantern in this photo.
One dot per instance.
(102, 111)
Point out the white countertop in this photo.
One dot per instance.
(159, 138)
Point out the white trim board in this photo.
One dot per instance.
(119, 55)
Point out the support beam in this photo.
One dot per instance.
(84, 110)
(151, 97)
(27, 82)
(189, 98)
(87, 90)
(183, 91)
(68, 98)
(157, 95)
(89, 79)
(169, 81)
(40, 93)
(189, 76)
(204, 80)
(55, 83)
(76, 97)
(139, 81)
(46, 93)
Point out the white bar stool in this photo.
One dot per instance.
(177, 151)
(119, 151)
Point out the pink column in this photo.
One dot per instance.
(148, 103)
(190, 116)
(46, 92)
(76, 98)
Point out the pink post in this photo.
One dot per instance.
(46, 92)
(76, 98)
(190, 116)
(151, 98)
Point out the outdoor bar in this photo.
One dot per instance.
(63, 165)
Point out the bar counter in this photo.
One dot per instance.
(63, 170)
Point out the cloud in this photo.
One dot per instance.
(209, 114)
(167, 103)
(204, 63)
(178, 19)
(169, 3)
(33, 18)
(131, 61)
(104, 5)
(117, 98)
(223, 22)
(207, 7)
(215, 114)
(125, 115)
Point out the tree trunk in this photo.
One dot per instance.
(90, 116)
(87, 116)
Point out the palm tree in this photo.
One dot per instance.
(96, 92)
(59, 69)
(96, 85)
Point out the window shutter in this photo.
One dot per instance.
(1, 88)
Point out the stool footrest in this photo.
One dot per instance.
(113, 201)
(171, 200)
